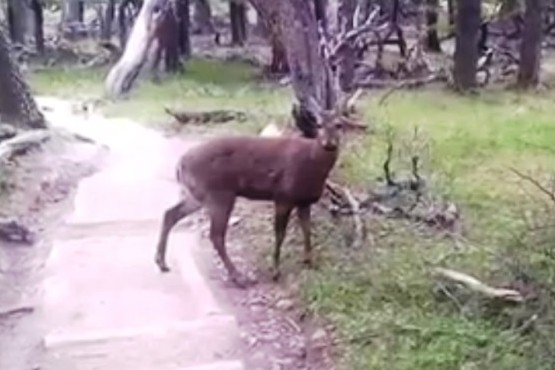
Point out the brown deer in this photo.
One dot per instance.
(290, 171)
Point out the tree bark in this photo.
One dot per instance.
(432, 39)
(203, 17)
(238, 21)
(466, 44)
(184, 26)
(530, 46)
(36, 6)
(17, 105)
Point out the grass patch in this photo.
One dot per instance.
(204, 85)
(382, 299)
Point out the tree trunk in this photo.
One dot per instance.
(269, 13)
(530, 46)
(184, 26)
(167, 35)
(238, 21)
(345, 13)
(74, 11)
(203, 17)
(36, 6)
(466, 45)
(451, 15)
(300, 35)
(17, 105)
(109, 16)
(18, 19)
(432, 39)
(145, 30)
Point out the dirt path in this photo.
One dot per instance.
(102, 304)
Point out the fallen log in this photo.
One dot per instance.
(477, 286)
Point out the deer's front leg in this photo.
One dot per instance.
(281, 219)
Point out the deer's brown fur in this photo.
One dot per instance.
(290, 171)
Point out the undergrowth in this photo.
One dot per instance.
(382, 298)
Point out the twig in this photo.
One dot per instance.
(535, 182)
(478, 286)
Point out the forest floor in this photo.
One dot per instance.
(379, 306)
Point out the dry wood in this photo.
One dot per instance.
(477, 286)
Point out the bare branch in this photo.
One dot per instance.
(536, 183)
(479, 287)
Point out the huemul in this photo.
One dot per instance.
(289, 171)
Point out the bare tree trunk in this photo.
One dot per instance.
(466, 48)
(109, 16)
(203, 17)
(74, 11)
(184, 26)
(269, 13)
(345, 13)
(451, 15)
(238, 21)
(432, 38)
(530, 47)
(17, 105)
(36, 6)
(18, 19)
(300, 34)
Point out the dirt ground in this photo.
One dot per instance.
(40, 186)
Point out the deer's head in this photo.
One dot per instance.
(328, 124)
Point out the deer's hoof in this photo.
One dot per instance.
(162, 266)
(276, 275)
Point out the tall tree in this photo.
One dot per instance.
(38, 17)
(238, 21)
(432, 39)
(18, 20)
(345, 15)
(17, 105)
(184, 27)
(530, 46)
(203, 17)
(466, 45)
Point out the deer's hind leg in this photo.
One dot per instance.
(219, 208)
(172, 216)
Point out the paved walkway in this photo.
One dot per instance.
(106, 306)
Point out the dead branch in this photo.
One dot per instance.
(477, 286)
(536, 183)
(215, 116)
(22, 143)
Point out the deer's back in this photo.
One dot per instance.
(287, 169)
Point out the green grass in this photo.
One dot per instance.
(382, 298)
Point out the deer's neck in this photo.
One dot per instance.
(327, 157)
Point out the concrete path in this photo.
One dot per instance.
(106, 306)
